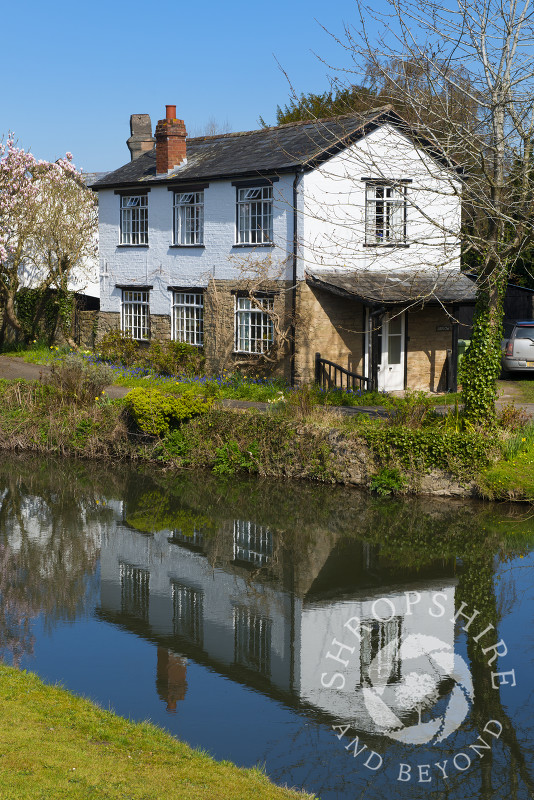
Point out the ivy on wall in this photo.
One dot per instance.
(481, 364)
(41, 313)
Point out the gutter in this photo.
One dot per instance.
(298, 174)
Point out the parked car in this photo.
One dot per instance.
(518, 349)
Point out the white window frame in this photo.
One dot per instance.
(188, 218)
(135, 313)
(254, 215)
(252, 543)
(252, 640)
(188, 317)
(386, 210)
(253, 324)
(134, 219)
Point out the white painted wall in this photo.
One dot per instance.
(332, 231)
(331, 207)
(222, 591)
(321, 624)
(161, 265)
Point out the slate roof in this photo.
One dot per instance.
(251, 153)
(90, 178)
(396, 288)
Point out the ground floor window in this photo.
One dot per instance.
(188, 317)
(136, 314)
(254, 329)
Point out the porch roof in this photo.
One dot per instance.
(416, 287)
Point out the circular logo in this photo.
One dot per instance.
(434, 682)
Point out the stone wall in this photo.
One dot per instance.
(219, 328)
(85, 329)
(330, 325)
(219, 335)
(107, 321)
(427, 349)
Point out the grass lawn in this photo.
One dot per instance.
(34, 354)
(512, 478)
(55, 745)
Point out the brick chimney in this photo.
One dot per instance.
(170, 142)
(141, 140)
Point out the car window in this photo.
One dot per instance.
(525, 332)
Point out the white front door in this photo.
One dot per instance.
(391, 352)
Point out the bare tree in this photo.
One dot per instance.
(430, 59)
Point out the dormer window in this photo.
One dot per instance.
(134, 219)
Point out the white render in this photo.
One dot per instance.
(332, 231)
(331, 225)
(161, 265)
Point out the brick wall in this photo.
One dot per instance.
(427, 349)
(329, 325)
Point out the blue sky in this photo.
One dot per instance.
(78, 70)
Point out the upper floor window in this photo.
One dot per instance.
(134, 219)
(254, 329)
(255, 215)
(188, 218)
(136, 314)
(385, 213)
(188, 317)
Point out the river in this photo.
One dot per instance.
(352, 646)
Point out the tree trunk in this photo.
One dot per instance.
(481, 364)
(11, 315)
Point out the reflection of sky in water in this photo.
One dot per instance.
(247, 711)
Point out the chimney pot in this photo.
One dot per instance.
(171, 112)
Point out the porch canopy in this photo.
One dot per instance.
(415, 288)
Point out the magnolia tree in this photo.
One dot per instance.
(48, 225)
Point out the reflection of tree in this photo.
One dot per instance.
(477, 590)
(49, 545)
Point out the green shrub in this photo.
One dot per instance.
(173, 358)
(174, 445)
(412, 410)
(79, 381)
(229, 458)
(387, 481)
(463, 453)
(118, 347)
(156, 413)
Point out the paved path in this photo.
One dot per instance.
(12, 367)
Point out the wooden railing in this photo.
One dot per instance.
(329, 376)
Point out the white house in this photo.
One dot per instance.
(338, 237)
(231, 599)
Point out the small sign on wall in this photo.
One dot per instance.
(443, 327)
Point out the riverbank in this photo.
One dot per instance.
(412, 451)
(57, 745)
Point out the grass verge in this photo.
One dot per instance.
(57, 745)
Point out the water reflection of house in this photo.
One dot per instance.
(240, 600)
